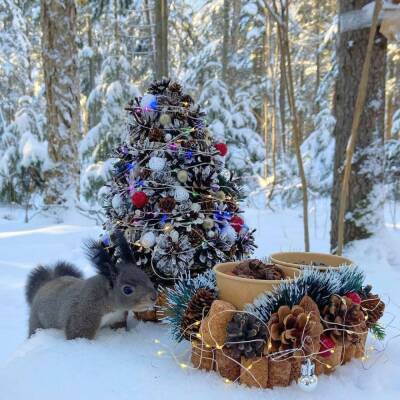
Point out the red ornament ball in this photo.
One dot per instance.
(139, 199)
(222, 148)
(237, 223)
(354, 297)
(327, 344)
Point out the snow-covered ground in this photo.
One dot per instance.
(144, 363)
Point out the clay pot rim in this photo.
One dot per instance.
(275, 258)
(247, 280)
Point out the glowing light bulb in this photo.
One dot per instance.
(328, 366)
(198, 335)
(219, 347)
(156, 341)
(182, 365)
(160, 352)
(228, 381)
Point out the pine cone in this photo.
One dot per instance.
(144, 173)
(246, 336)
(187, 99)
(372, 306)
(295, 328)
(159, 87)
(156, 135)
(343, 319)
(256, 269)
(207, 203)
(175, 87)
(167, 204)
(195, 236)
(197, 309)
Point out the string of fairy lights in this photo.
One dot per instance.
(204, 350)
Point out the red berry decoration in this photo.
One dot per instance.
(139, 199)
(326, 345)
(237, 223)
(222, 148)
(354, 297)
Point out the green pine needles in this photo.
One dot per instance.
(312, 282)
(378, 331)
(178, 297)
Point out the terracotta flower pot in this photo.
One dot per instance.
(240, 291)
(320, 261)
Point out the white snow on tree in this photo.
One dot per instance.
(14, 53)
(110, 96)
(24, 156)
(229, 119)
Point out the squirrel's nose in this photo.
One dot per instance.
(153, 296)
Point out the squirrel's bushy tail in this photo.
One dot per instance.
(41, 275)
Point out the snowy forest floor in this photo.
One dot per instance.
(133, 365)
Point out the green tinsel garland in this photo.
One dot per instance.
(178, 297)
(312, 282)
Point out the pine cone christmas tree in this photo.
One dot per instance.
(245, 336)
(170, 179)
(372, 306)
(197, 309)
(295, 329)
(343, 320)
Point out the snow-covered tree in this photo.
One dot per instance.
(14, 53)
(110, 96)
(24, 159)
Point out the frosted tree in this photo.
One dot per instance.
(230, 121)
(24, 160)
(108, 99)
(14, 54)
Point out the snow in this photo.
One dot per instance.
(145, 362)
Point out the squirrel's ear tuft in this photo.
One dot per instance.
(100, 259)
(124, 248)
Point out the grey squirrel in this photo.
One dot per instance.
(61, 298)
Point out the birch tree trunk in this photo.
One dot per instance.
(364, 205)
(60, 65)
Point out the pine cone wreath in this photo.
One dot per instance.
(343, 320)
(294, 329)
(256, 269)
(167, 204)
(372, 306)
(197, 309)
(246, 336)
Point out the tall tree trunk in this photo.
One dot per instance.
(60, 59)
(225, 42)
(364, 197)
(161, 39)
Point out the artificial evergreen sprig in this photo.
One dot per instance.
(378, 331)
(179, 296)
(312, 282)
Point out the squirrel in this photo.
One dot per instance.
(61, 298)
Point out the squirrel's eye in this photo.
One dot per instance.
(127, 290)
